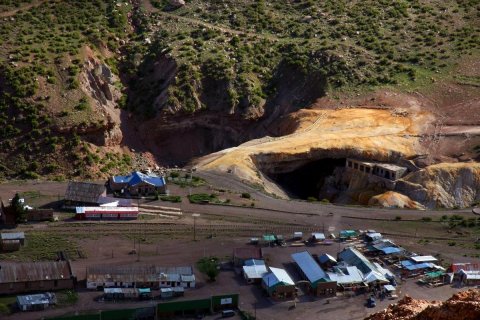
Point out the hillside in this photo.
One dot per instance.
(93, 88)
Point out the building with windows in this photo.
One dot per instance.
(137, 184)
(139, 276)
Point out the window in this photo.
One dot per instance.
(55, 283)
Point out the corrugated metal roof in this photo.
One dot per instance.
(353, 257)
(255, 271)
(318, 236)
(423, 258)
(84, 192)
(12, 235)
(136, 273)
(348, 276)
(137, 177)
(36, 299)
(309, 267)
(34, 271)
(276, 276)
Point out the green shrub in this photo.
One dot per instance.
(246, 195)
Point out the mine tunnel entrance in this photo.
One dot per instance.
(307, 180)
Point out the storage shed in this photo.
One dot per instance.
(278, 284)
(33, 302)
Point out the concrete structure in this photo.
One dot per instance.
(139, 276)
(319, 282)
(254, 270)
(137, 184)
(36, 301)
(111, 213)
(278, 284)
(240, 255)
(35, 276)
(83, 193)
(383, 170)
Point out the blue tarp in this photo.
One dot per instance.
(391, 250)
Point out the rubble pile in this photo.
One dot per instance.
(464, 305)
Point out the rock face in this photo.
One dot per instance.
(391, 199)
(320, 134)
(97, 81)
(444, 185)
(461, 306)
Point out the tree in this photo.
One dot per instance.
(18, 209)
(209, 266)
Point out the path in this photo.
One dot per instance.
(13, 12)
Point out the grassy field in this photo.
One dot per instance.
(41, 246)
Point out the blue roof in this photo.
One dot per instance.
(137, 177)
(309, 267)
(254, 262)
(412, 266)
(390, 250)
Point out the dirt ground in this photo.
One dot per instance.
(169, 242)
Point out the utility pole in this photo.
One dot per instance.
(195, 215)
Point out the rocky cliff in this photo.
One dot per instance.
(444, 185)
(461, 306)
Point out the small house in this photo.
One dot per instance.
(297, 235)
(469, 278)
(240, 255)
(278, 284)
(11, 241)
(317, 237)
(35, 302)
(254, 270)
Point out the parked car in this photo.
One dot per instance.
(371, 303)
(228, 313)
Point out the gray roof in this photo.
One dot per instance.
(34, 271)
(349, 275)
(84, 192)
(353, 257)
(12, 236)
(309, 267)
(255, 271)
(37, 299)
(136, 273)
(277, 276)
